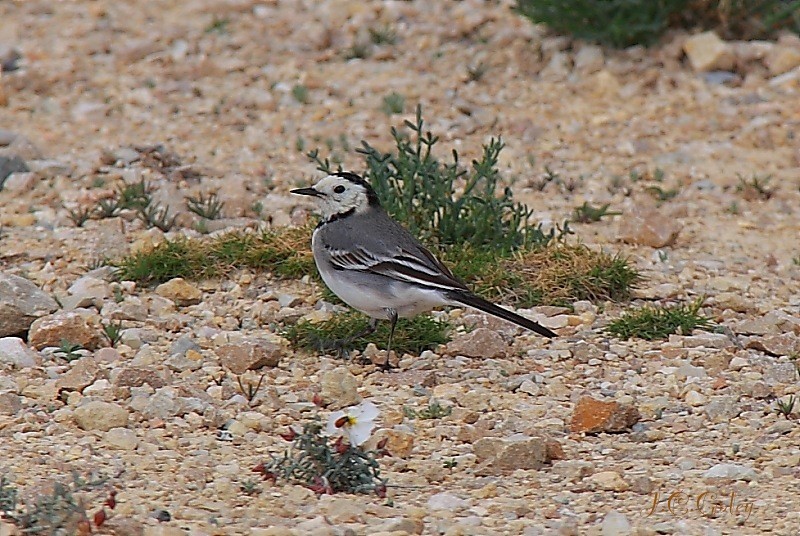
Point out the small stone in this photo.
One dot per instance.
(10, 404)
(765, 325)
(121, 438)
(687, 370)
(516, 452)
(648, 227)
(99, 415)
(21, 302)
(192, 360)
(738, 363)
(589, 59)
(162, 530)
(400, 526)
(69, 326)
(780, 373)
(163, 404)
(14, 351)
(250, 354)
(19, 182)
(399, 443)
(782, 59)
(481, 342)
(131, 337)
(179, 291)
(777, 345)
(642, 485)
(582, 352)
(730, 471)
(48, 168)
(695, 399)
(137, 376)
(183, 344)
(605, 84)
(557, 68)
(9, 165)
(529, 387)
(99, 388)
(608, 481)
(86, 292)
(289, 300)
(722, 408)
(409, 378)
(758, 389)
(446, 501)
(707, 52)
(782, 427)
(339, 388)
(615, 524)
(81, 374)
(594, 416)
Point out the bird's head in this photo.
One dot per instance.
(341, 192)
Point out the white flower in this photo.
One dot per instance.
(355, 422)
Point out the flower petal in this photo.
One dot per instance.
(368, 411)
(360, 432)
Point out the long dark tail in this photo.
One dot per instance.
(471, 300)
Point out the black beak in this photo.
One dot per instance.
(307, 191)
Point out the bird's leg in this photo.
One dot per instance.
(392, 314)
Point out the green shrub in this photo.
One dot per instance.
(447, 204)
(324, 465)
(284, 252)
(622, 23)
(652, 323)
(618, 23)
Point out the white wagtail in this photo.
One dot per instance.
(376, 266)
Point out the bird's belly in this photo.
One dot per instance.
(373, 294)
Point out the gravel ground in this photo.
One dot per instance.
(232, 90)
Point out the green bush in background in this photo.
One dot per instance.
(622, 23)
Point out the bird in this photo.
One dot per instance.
(376, 266)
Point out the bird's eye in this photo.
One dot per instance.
(339, 189)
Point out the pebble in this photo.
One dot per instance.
(86, 291)
(99, 415)
(52, 330)
(722, 408)
(707, 52)
(649, 227)
(730, 471)
(15, 352)
(339, 388)
(81, 374)
(249, 354)
(594, 416)
(10, 404)
(21, 302)
(180, 292)
(480, 342)
(608, 481)
(516, 452)
(693, 398)
(615, 524)
(121, 438)
(446, 501)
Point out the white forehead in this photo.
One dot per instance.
(327, 184)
